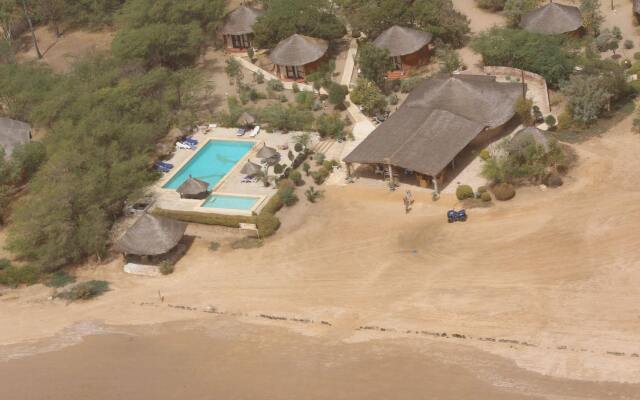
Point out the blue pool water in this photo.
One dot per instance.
(230, 202)
(211, 162)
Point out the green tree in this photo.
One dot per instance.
(449, 60)
(367, 95)
(523, 109)
(374, 63)
(587, 97)
(52, 12)
(515, 9)
(492, 5)
(592, 17)
(337, 94)
(607, 40)
(233, 70)
(330, 125)
(283, 18)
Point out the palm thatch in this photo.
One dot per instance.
(401, 41)
(240, 21)
(636, 6)
(297, 50)
(250, 169)
(552, 19)
(151, 236)
(267, 152)
(193, 188)
(246, 119)
(437, 121)
(13, 133)
(529, 135)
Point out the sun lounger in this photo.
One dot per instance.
(190, 140)
(163, 164)
(255, 131)
(162, 169)
(185, 146)
(240, 132)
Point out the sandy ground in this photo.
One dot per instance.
(548, 280)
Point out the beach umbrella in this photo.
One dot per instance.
(251, 168)
(193, 188)
(267, 152)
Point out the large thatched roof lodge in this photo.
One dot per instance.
(13, 133)
(151, 236)
(298, 56)
(237, 31)
(408, 48)
(553, 19)
(439, 119)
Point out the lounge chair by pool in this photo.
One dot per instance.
(255, 131)
(240, 132)
(185, 146)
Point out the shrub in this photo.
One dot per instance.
(295, 87)
(306, 100)
(267, 223)
(550, 120)
(318, 179)
(504, 191)
(564, 120)
(306, 168)
(319, 158)
(485, 196)
(337, 94)
(324, 172)
(288, 196)
(296, 177)
(298, 147)
(214, 246)
(554, 180)
(60, 279)
(484, 154)
(328, 164)
(4, 263)
(524, 110)
(166, 267)
(408, 84)
(312, 194)
(636, 55)
(628, 44)
(330, 125)
(367, 95)
(464, 192)
(492, 5)
(84, 290)
(275, 85)
(278, 168)
(393, 100)
(246, 243)
(15, 276)
(259, 77)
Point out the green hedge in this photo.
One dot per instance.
(231, 221)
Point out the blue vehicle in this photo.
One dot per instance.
(455, 216)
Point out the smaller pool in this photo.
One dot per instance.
(230, 202)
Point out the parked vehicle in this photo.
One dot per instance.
(455, 216)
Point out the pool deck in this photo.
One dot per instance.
(230, 184)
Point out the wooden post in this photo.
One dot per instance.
(434, 180)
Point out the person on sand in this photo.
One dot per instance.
(409, 196)
(407, 204)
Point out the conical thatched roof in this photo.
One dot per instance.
(151, 235)
(193, 187)
(401, 41)
(298, 50)
(529, 135)
(250, 168)
(240, 21)
(439, 119)
(552, 19)
(267, 152)
(246, 118)
(636, 6)
(12, 134)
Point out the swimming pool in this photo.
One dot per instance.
(211, 162)
(245, 203)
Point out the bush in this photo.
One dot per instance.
(636, 55)
(306, 168)
(275, 85)
(166, 267)
(60, 279)
(15, 276)
(564, 120)
(259, 77)
(464, 192)
(312, 194)
(492, 5)
(296, 177)
(84, 290)
(4, 263)
(267, 223)
(367, 95)
(318, 179)
(393, 100)
(278, 168)
(298, 147)
(306, 100)
(246, 243)
(485, 196)
(288, 196)
(295, 87)
(554, 180)
(330, 125)
(214, 246)
(485, 154)
(337, 93)
(504, 191)
(231, 221)
(319, 158)
(628, 44)
(408, 84)
(324, 172)
(550, 120)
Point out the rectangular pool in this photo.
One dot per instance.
(211, 162)
(245, 203)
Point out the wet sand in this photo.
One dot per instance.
(230, 360)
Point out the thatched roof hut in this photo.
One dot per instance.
(13, 133)
(193, 188)
(529, 135)
(240, 21)
(267, 152)
(298, 50)
(250, 169)
(151, 236)
(552, 19)
(437, 121)
(401, 41)
(246, 119)
(636, 8)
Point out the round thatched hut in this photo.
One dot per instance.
(151, 237)
(193, 188)
(237, 31)
(408, 48)
(553, 19)
(297, 56)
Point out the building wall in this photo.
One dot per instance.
(305, 70)
(228, 43)
(417, 59)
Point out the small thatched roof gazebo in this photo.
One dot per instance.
(246, 119)
(151, 236)
(401, 41)
(298, 55)
(237, 30)
(553, 19)
(267, 152)
(529, 135)
(13, 133)
(193, 188)
(250, 169)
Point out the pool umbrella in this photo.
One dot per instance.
(251, 169)
(267, 152)
(193, 188)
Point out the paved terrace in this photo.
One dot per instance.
(232, 182)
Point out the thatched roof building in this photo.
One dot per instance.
(267, 152)
(151, 236)
(636, 8)
(193, 188)
(401, 41)
(246, 119)
(529, 135)
(298, 50)
(437, 121)
(13, 133)
(251, 169)
(240, 21)
(552, 19)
